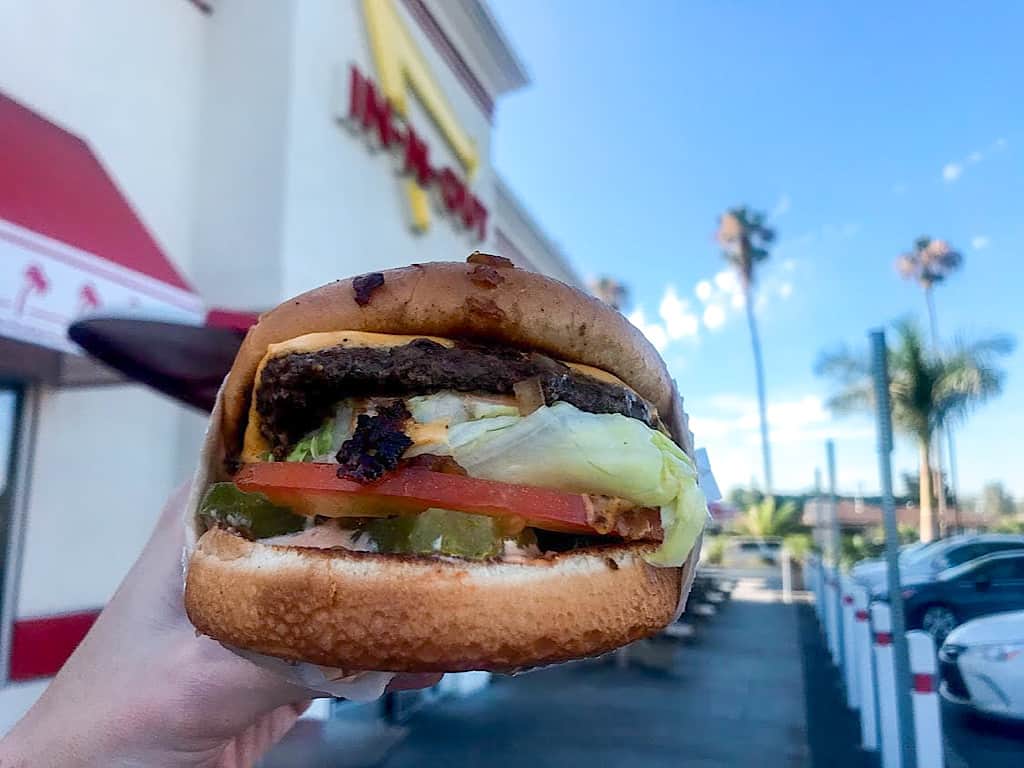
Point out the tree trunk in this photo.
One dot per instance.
(928, 524)
(762, 407)
(933, 323)
(938, 482)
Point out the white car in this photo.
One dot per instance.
(982, 665)
(875, 565)
(925, 563)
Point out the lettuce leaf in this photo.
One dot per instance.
(455, 407)
(562, 447)
(315, 445)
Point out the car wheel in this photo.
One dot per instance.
(938, 621)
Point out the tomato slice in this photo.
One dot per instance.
(315, 489)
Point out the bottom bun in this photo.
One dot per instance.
(409, 613)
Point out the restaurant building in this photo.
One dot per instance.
(166, 159)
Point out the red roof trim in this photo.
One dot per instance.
(39, 647)
(230, 318)
(53, 184)
(450, 54)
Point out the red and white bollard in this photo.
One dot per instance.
(865, 669)
(925, 699)
(850, 677)
(885, 677)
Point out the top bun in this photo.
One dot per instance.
(486, 301)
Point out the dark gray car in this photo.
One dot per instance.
(990, 584)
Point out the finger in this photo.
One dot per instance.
(410, 682)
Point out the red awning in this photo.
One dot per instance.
(70, 242)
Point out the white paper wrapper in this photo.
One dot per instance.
(349, 684)
(356, 686)
(706, 477)
(679, 424)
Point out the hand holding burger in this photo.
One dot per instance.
(443, 467)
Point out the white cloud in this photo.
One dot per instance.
(980, 242)
(728, 426)
(714, 316)
(790, 421)
(727, 282)
(954, 170)
(680, 321)
(951, 172)
(718, 299)
(782, 206)
(655, 333)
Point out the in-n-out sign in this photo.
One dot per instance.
(383, 115)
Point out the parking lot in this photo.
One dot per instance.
(973, 585)
(728, 691)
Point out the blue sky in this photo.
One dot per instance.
(860, 126)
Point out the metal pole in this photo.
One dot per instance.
(834, 545)
(904, 713)
(819, 537)
(787, 577)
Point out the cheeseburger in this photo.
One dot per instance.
(443, 467)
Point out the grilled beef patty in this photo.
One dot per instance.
(298, 391)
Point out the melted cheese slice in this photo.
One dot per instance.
(255, 446)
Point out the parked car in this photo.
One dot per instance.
(751, 552)
(874, 564)
(982, 665)
(925, 563)
(991, 584)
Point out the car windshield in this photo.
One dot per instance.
(919, 553)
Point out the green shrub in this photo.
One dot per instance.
(798, 544)
(714, 550)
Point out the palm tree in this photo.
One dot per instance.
(768, 518)
(610, 291)
(928, 390)
(745, 238)
(930, 263)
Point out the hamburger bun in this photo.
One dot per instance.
(408, 613)
(511, 306)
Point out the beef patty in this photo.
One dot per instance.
(299, 390)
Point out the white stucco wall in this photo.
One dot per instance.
(125, 76)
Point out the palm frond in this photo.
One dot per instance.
(931, 261)
(843, 365)
(926, 389)
(745, 239)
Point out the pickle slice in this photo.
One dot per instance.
(251, 514)
(437, 531)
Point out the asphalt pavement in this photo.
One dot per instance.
(976, 742)
(732, 697)
(970, 741)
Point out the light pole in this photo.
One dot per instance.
(904, 713)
